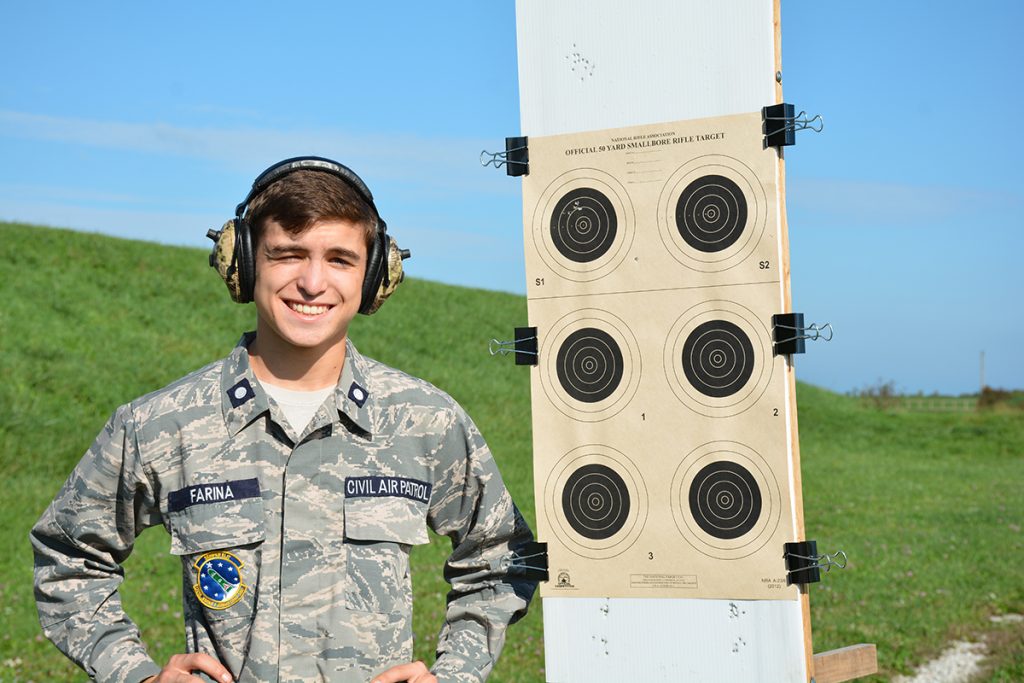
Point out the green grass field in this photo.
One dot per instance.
(929, 507)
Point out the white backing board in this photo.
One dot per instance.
(609, 639)
(593, 64)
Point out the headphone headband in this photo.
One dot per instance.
(283, 168)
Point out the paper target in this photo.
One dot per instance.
(725, 500)
(597, 501)
(655, 259)
(591, 365)
(712, 213)
(583, 225)
(718, 358)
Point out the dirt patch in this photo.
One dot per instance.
(1006, 648)
(966, 662)
(958, 663)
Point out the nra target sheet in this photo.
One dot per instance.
(661, 452)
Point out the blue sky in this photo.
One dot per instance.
(151, 121)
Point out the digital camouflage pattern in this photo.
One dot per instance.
(327, 589)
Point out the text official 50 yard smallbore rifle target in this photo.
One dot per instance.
(660, 434)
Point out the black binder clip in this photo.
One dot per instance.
(789, 333)
(779, 124)
(530, 561)
(804, 564)
(524, 346)
(515, 158)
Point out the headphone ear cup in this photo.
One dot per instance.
(245, 262)
(376, 266)
(389, 275)
(224, 258)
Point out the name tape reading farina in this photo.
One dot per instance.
(216, 492)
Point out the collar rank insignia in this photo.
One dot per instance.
(240, 393)
(358, 394)
(219, 579)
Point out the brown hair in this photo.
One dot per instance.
(303, 198)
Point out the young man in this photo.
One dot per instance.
(293, 477)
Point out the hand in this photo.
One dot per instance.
(180, 667)
(414, 672)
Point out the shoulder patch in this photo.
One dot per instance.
(218, 579)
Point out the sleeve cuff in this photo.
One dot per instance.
(128, 668)
(451, 668)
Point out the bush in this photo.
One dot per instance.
(882, 395)
(1001, 398)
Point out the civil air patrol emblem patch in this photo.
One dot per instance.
(219, 579)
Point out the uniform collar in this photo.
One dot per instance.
(354, 395)
(243, 399)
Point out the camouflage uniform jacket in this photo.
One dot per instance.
(294, 547)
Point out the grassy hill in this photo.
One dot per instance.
(928, 506)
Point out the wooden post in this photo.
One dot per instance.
(805, 604)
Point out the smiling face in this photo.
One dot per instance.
(308, 285)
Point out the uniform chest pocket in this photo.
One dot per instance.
(379, 533)
(220, 545)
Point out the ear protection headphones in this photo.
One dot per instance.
(233, 258)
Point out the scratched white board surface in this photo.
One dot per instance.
(594, 64)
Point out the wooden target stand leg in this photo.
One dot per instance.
(588, 65)
(853, 661)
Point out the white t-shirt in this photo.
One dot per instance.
(298, 407)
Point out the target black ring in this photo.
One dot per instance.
(589, 365)
(718, 358)
(595, 501)
(725, 500)
(583, 225)
(711, 213)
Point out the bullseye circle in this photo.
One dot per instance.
(711, 213)
(595, 501)
(718, 358)
(583, 225)
(725, 500)
(589, 365)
